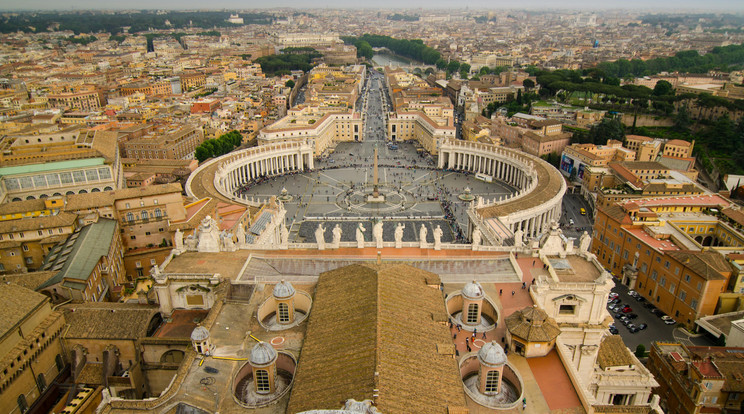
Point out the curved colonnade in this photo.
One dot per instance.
(540, 188)
(537, 202)
(237, 168)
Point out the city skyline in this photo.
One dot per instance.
(661, 5)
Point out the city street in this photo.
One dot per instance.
(572, 205)
(656, 331)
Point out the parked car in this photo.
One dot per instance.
(632, 316)
(632, 328)
(626, 322)
(613, 330)
(650, 305)
(668, 320)
(627, 309)
(657, 312)
(619, 315)
(640, 298)
(614, 295)
(642, 326)
(632, 293)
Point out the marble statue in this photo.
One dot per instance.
(226, 242)
(360, 235)
(240, 234)
(422, 237)
(319, 237)
(584, 242)
(209, 236)
(191, 242)
(336, 237)
(377, 234)
(438, 238)
(283, 235)
(476, 238)
(518, 238)
(179, 240)
(399, 235)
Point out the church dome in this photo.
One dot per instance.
(262, 354)
(283, 290)
(492, 354)
(473, 290)
(199, 334)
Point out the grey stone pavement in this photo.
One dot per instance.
(415, 191)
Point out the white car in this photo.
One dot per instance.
(668, 320)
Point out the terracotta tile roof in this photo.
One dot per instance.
(735, 215)
(373, 331)
(24, 206)
(614, 353)
(532, 324)
(30, 280)
(707, 264)
(18, 302)
(107, 198)
(36, 223)
(105, 320)
(733, 371)
(707, 369)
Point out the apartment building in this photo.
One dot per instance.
(30, 348)
(54, 161)
(29, 230)
(86, 98)
(171, 141)
(669, 251)
(696, 379)
(88, 265)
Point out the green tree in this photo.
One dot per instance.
(609, 128)
(640, 351)
(528, 84)
(453, 66)
(464, 67)
(290, 83)
(663, 88)
(441, 64)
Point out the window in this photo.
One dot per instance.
(700, 286)
(158, 213)
(284, 313)
(492, 382)
(144, 216)
(676, 270)
(666, 264)
(138, 264)
(567, 309)
(472, 313)
(687, 278)
(653, 275)
(671, 287)
(693, 304)
(644, 267)
(262, 381)
(130, 217)
(25, 248)
(682, 295)
(662, 282)
(22, 404)
(625, 254)
(126, 205)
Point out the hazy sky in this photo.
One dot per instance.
(712, 5)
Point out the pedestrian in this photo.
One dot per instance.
(513, 293)
(458, 327)
(524, 285)
(502, 339)
(467, 339)
(484, 335)
(468, 347)
(501, 291)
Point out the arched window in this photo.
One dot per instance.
(144, 215)
(283, 313)
(262, 381)
(158, 213)
(130, 217)
(41, 382)
(172, 356)
(22, 404)
(492, 381)
(473, 313)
